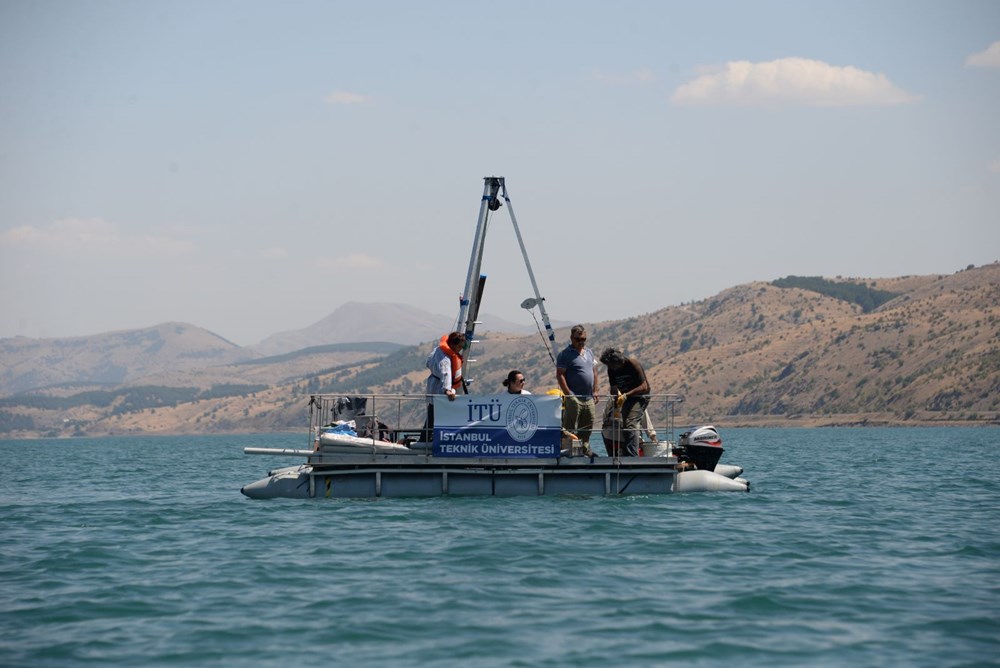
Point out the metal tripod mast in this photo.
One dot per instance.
(475, 280)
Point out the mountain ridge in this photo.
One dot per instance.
(753, 354)
(114, 357)
(362, 322)
(124, 356)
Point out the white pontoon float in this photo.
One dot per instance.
(484, 445)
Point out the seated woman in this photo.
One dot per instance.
(514, 382)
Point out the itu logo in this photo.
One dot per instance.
(522, 419)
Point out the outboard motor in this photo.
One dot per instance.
(701, 446)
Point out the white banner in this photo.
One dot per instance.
(498, 425)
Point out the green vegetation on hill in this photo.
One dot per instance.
(389, 369)
(13, 422)
(377, 347)
(864, 296)
(130, 399)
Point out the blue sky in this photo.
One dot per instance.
(248, 167)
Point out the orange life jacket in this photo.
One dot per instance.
(456, 363)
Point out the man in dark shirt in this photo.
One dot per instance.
(630, 390)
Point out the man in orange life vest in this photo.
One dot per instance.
(445, 365)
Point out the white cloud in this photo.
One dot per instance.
(92, 236)
(638, 77)
(346, 97)
(353, 261)
(988, 58)
(790, 81)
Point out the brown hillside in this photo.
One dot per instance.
(755, 354)
(111, 358)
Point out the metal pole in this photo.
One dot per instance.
(531, 274)
(476, 259)
(469, 304)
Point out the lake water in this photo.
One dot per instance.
(854, 547)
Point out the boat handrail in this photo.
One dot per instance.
(668, 397)
(403, 413)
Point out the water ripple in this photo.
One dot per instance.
(852, 548)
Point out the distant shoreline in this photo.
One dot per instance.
(822, 421)
(681, 423)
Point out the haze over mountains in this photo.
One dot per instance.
(112, 358)
(395, 323)
(907, 350)
(174, 349)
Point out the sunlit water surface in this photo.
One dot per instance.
(854, 547)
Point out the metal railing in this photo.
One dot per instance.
(401, 417)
